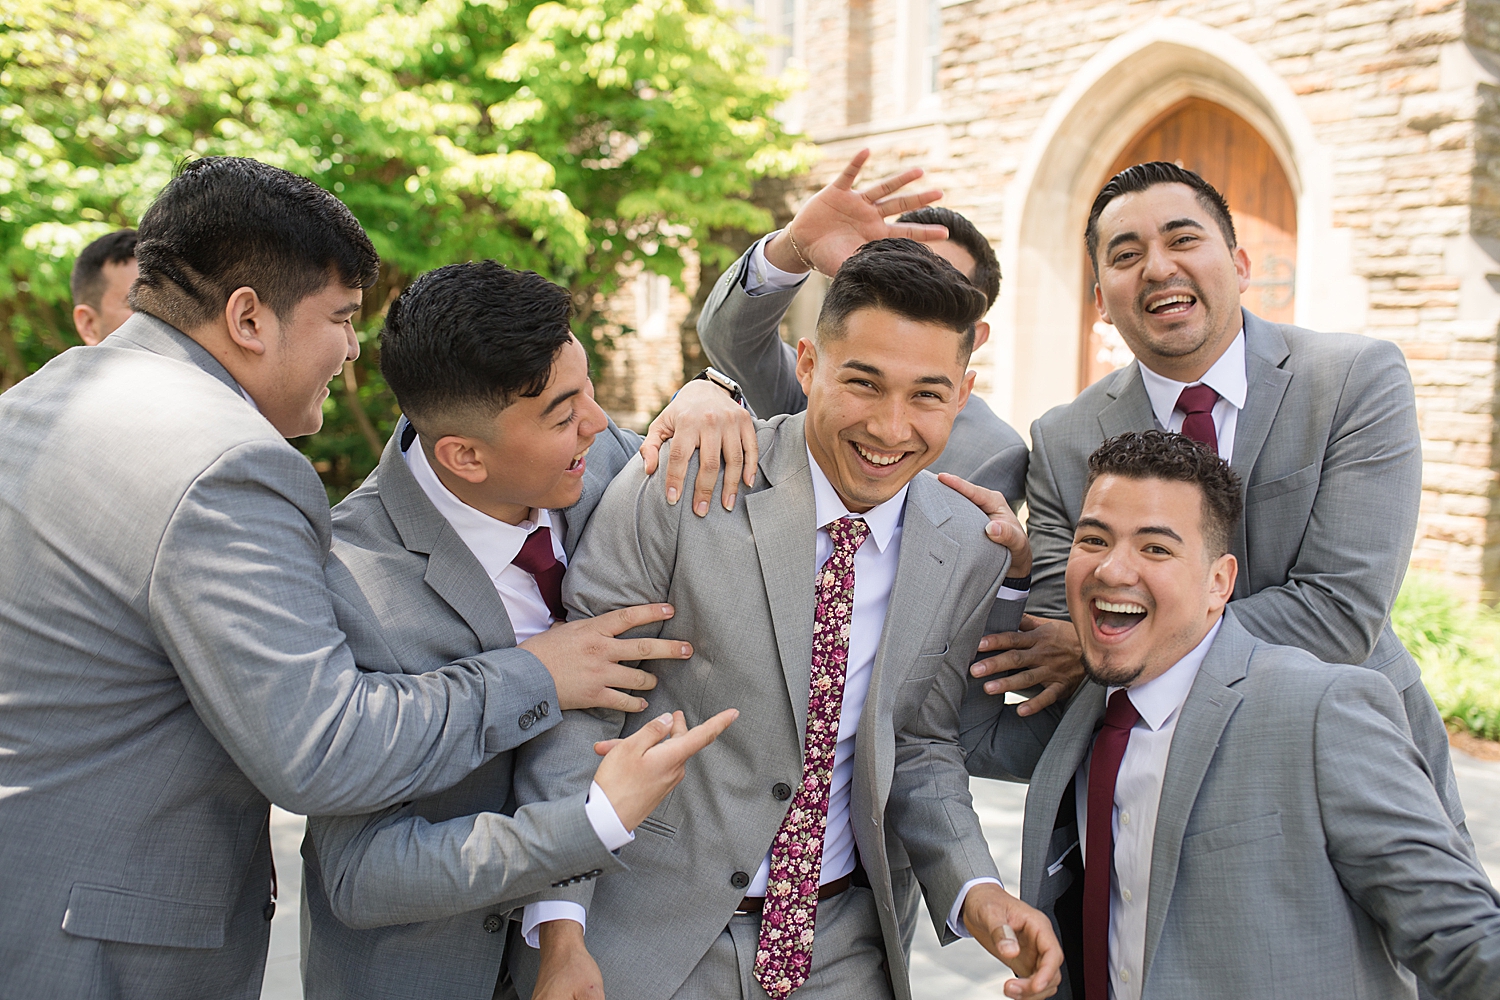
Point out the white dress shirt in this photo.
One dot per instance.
(875, 565)
(494, 544)
(1137, 796)
(763, 277)
(1228, 377)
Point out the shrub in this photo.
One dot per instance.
(1458, 648)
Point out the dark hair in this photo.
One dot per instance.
(1179, 459)
(87, 282)
(904, 277)
(986, 276)
(1149, 175)
(463, 341)
(224, 222)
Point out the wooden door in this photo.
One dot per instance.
(1226, 151)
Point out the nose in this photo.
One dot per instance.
(1159, 265)
(1116, 569)
(889, 424)
(593, 420)
(352, 339)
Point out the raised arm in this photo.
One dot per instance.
(1339, 593)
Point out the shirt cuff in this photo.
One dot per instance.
(547, 911)
(955, 924)
(762, 277)
(1007, 594)
(604, 819)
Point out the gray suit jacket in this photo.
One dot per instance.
(169, 660)
(741, 335)
(412, 901)
(741, 584)
(1330, 457)
(1299, 850)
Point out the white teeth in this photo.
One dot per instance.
(875, 459)
(1169, 302)
(1121, 609)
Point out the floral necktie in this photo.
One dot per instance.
(784, 957)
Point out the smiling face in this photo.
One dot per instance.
(301, 354)
(1168, 280)
(531, 454)
(881, 400)
(1143, 587)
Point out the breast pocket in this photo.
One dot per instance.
(1223, 838)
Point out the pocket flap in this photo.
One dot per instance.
(1221, 838)
(1304, 477)
(105, 913)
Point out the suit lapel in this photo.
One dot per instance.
(452, 571)
(1267, 381)
(1209, 705)
(784, 522)
(1129, 408)
(1060, 761)
(928, 558)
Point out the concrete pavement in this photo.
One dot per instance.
(961, 971)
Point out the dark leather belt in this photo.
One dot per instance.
(755, 904)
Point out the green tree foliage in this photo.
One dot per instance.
(573, 138)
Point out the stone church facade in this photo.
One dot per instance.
(1358, 144)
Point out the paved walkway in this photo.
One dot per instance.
(963, 970)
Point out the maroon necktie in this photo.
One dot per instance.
(536, 557)
(1197, 403)
(1098, 858)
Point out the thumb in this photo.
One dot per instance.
(648, 735)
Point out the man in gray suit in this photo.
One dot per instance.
(740, 323)
(455, 544)
(1322, 428)
(170, 657)
(771, 868)
(1218, 816)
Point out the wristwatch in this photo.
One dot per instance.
(723, 381)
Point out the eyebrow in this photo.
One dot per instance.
(1167, 227)
(1150, 529)
(562, 398)
(869, 369)
(350, 309)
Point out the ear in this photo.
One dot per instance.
(1221, 577)
(807, 360)
(965, 388)
(1099, 304)
(981, 334)
(251, 323)
(459, 456)
(88, 323)
(1242, 268)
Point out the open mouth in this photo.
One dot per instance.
(1114, 618)
(579, 462)
(1171, 305)
(877, 462)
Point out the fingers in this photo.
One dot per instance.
(659, 431)
(910, 203)
(624, 619)
(1019, 681)
(734, 468)
(1045, 698)
(649, 649)
(709, 459)
(1007, 640)
(679, 452)
(920, 233)
(703, 734)
(603, 747)
(890, 185)
(618, 701)
(1047, 976)
(751, 445)
(986, 500)
(845, 180)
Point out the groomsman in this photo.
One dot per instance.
(170, 655)
(1218, 816)
(455, 544)
(1321, 427)
(740, 325)
(838, 607)
(100, 282)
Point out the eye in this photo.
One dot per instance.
(572, 415)
(1184, 240)
(1157, 550)
(930, 394)
(1090, 540)
(862, 383)
(1125, 257)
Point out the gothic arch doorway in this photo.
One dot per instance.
(1231, 155)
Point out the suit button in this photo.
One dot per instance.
(270, 909)
(543, 709)
(493, 923)
(739, 880)
(782, 791)
(527, 720)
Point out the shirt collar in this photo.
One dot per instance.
(883, 519)
(1227, 377)
(495, 543)
(248, 399)
(1159, 698)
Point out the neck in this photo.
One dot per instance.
(473, 496)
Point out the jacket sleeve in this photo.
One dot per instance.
(1050, 530)
(741, 334)
(1395, 851)
(1354, 553)
(239, 601)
